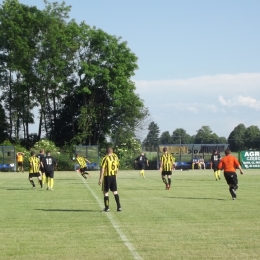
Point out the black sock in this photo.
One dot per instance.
(232, 192)
(32, 182)
(84, 176)
(164, 180)
(40, 183)
(106, 202)
(169, 181)
(117, 201)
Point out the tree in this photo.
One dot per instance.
(54, 64)
(203, 135)
(19, 27)
(252, 137)
(36, 48)
(165, 138)
(79, 77)
(102, 85)
(222, 140)
(206, 136)
(3, 125)
(152, 139)
(236, 138)
(179, 136)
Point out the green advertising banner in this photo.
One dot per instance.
(249, 159)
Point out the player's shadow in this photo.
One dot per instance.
(66, 210)
(17, 189)
(194, 180)
(192, 198)
(66, 179)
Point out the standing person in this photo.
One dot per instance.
(82, 165)
(107, 178)
(34, 169)
(229, 164)
(167, 162)
(142, 161)
(214, 160)
(41, 156)
(20, 158)
(49, 163)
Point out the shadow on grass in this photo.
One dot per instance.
(19, 189)
(191, 198)
(66, 179)
(125, 178)
(67, 210)
(194, 180)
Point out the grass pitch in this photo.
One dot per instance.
(195, 219)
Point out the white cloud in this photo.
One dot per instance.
(226, 83)
(246, 101)
(221, 102)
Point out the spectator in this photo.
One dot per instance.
(195, 161)
(202, 163)
(20, 158)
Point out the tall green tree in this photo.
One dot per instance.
(55, 64)
(180, 136)
(236, 138)
(203, 135)
(79, 77)
(101, 84)
(152, 139)
(3, 125)
(252, 137)
(19, 27)
(165, 138)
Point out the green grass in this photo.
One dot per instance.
(196, 219)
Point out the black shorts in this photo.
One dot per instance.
(231, 178)
(215, 167)
(20, 164)
(141, 165)
(42, 169)
(109, 183)
(49, 174)
(83, 169)
(35, 174)
(166, 173)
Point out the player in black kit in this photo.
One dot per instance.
(49, 163)
(142, 161)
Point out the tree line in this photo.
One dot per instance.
(241, 138)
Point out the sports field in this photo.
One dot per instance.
(195, 219)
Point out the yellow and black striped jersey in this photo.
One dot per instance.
(34, 164)
(115, 157)
(110, 164)
(81, 161)
(167, 161)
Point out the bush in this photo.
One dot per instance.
(64, 162)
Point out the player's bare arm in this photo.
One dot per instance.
(101, 176)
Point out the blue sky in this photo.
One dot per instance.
(199, 61)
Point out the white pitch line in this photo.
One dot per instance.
(115, 225)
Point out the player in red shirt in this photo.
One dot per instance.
(229, 164)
